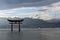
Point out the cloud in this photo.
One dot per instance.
(12, 6)
(53, 10)
(53, 7)
(17, 11)
(9, 4)
(41, 15)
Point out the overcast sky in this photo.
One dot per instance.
(44, 9)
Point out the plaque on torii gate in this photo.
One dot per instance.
(15, 21)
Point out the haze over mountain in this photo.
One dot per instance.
(30, 23)
(54, 20)
(36, 23)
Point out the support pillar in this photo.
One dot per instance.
(19, 26)
(11, 26)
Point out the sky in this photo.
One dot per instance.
(41, 9)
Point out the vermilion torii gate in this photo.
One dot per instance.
(15, 22)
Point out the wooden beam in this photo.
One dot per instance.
(15, 22)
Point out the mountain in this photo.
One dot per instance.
(30, 23)
(35, 23)
(54, 20)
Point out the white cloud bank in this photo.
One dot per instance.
(41, 15)
(53, 7)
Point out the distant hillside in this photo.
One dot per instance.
(56, 22)
(35, 23)
(30, 23)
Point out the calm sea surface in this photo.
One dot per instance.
(31, 34)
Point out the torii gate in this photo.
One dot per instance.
(15, 22)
